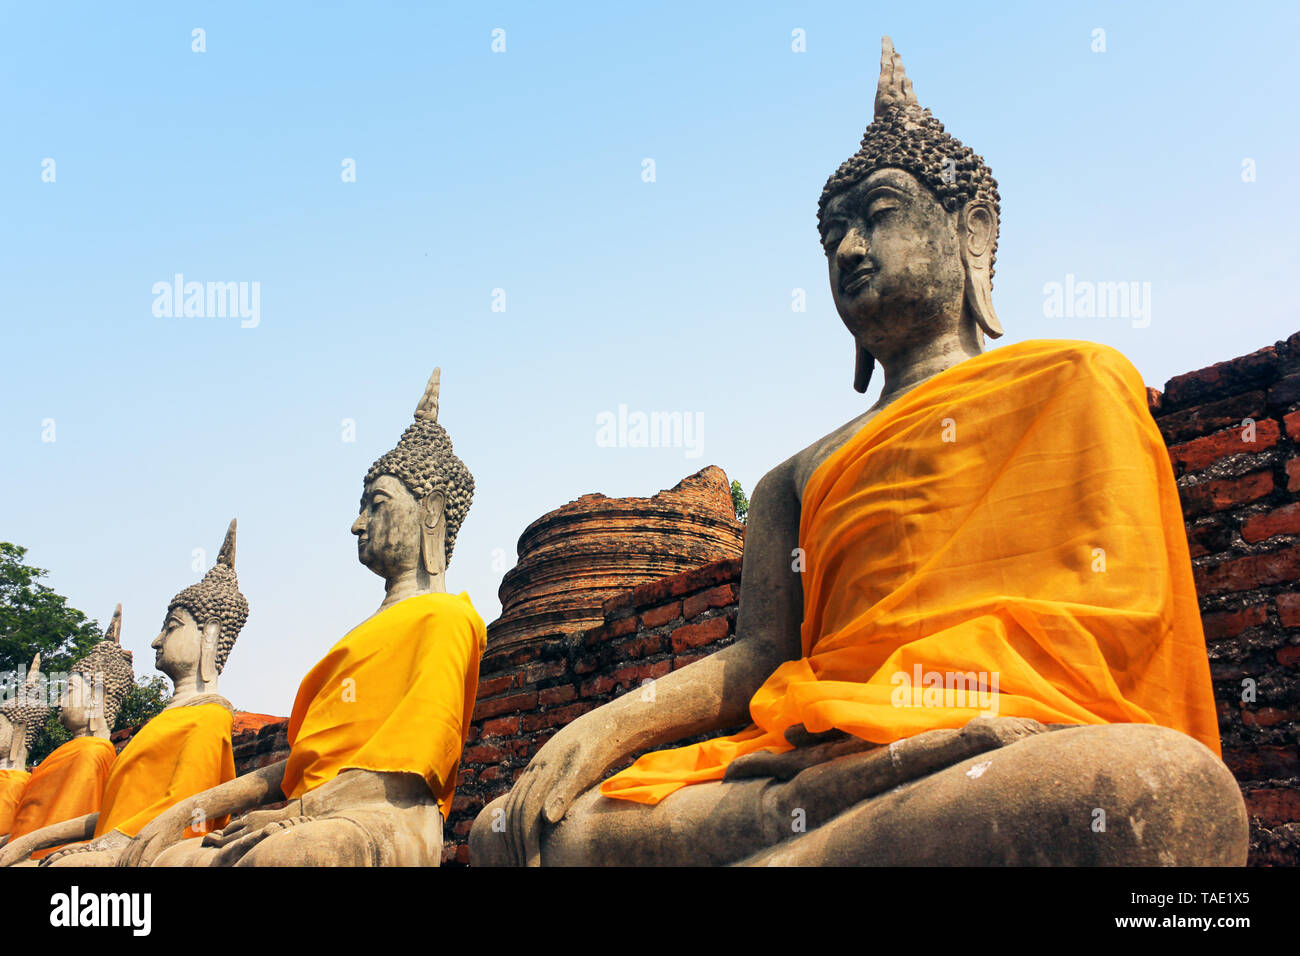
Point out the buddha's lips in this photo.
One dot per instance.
(857, 280)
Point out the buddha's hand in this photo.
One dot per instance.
(113, 840)
(810, 749)
(66, 852)
(163, 831)
(565, 766)
(236, 841)
(256, 823)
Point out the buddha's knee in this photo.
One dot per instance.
(488, 836)
(1114, 794)
(190, 852)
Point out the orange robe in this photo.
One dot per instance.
(181, 752)
(12, 784)
(396, 694)
(67, 784)
(1010, 528)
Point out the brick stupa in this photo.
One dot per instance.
(573, 558)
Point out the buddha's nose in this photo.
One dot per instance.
(852, 250)
(157, 641)
(359, 525)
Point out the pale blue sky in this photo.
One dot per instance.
(522, 171)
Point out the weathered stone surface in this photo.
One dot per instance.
(573, 558)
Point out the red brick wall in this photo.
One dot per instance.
(258, 747)
(526, 694)
(1234, 438)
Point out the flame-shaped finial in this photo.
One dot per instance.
(227, 554)
(114, 632)
(427, 410)
(894, 88)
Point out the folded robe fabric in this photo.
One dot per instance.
(12, 784)
(1004, 540)
(67, 784)
(396, 694)
(183, 751)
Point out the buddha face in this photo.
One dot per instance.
(178, 648)
(388, 529)
(895, 261)
(79, 703)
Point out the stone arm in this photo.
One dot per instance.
(234, 797)
(75, 830)
(714, 693)
(707, 695)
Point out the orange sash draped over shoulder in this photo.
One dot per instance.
(183, 751)
(12, 784)
(67, 784)
(395, 695)
(1004, 540)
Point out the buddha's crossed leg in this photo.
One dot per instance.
(362, 836)
(999, 791)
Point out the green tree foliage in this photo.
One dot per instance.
(34, 618)
(49, 739)
(144, 701)
(739, 501)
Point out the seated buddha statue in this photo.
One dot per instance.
(66, 789)
(378, 725)
(21, 717)
(187, 747)
(967, 631)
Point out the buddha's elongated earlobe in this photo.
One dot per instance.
(210, 633)
(18, 745)
(978, 232)
(433, 551)
(862, 369)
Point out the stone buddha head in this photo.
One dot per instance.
(201, 626)
(414, 501)
(909, 224)
(21, 718)
(97, 685)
